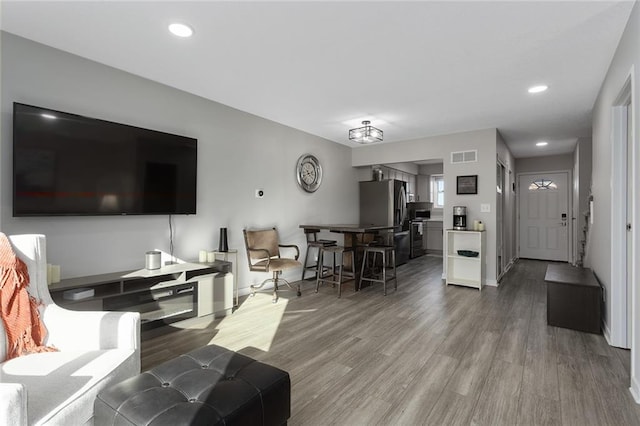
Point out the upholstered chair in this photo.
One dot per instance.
(95, 350)
(263, 254)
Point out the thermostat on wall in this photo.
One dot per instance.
(78, 293)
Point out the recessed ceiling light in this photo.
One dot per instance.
(181, 30)
(542, 143)
(538, 89)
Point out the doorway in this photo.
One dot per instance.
(544, 207)
(629, 239)
(623, 232)
(500, 221)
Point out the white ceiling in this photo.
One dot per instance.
(414, 68)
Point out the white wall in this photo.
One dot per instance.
(441, 147)
(625, 62)
(237, 153)
(409, 168)
(585, 160)
(547, 163)
(430, 169)
(582, 159)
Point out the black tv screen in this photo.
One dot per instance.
(69, 165)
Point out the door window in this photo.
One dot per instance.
(542, 184)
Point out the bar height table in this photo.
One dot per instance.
(354, 235)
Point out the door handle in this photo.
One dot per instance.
(628, 227)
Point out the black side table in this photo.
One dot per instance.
(574, 298)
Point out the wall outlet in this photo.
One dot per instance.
(485, 208)
(259, 193)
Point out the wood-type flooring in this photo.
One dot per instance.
(426, 354)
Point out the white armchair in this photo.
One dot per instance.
(96, 349)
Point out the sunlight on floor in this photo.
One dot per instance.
(200, 325)
(259, 336)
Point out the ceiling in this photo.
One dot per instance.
(414, 69)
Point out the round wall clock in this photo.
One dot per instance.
(309, 173)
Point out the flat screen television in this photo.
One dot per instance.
(69, 165)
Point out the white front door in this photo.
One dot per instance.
(544, 208)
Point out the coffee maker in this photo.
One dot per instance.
(460, 218)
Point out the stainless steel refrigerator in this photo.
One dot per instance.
(384, 202)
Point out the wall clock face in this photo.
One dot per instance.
(309, 173)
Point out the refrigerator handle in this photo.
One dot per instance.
(403, 206)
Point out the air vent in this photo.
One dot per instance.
(464, 156)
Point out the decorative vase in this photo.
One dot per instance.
(223, 246)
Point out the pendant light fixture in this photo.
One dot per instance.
(365, 134)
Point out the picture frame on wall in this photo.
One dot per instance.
(467, 184)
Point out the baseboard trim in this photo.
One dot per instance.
(509, 265)
(491, 283)
(245, 291)
(606, 333)
(506, 269)
(635, 390)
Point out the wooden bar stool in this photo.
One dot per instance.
(314, 243)
(331, 278)
(369, 268)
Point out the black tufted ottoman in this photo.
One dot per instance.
(209, 386)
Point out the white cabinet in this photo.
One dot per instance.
(215, 295)
(464, 270)
(231, 255)
(423, 188)
(223, 291)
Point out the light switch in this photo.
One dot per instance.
(485, 208)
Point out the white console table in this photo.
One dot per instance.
(231, 255)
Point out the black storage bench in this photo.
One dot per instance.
(209, 386)
(574, 298)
